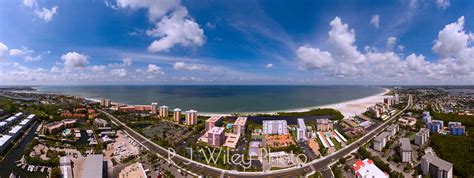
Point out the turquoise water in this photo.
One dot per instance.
(221, 98)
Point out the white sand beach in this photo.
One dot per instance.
(347, 108)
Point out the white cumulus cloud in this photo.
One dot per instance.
(152, 68)
(173, 25)
(74, 60)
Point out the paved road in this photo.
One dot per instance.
(318, 165)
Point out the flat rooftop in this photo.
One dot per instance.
(93, 166)
(214, 119)
(4, 139)
(216, 130)
(241, 121)
(15, 129)
(406, 145)
(382, 136)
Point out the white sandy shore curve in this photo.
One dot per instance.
(347, 108)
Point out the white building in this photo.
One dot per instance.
(274, 127)
(436, 167)
(368, 169)
(301, 131)
(381, 140)
(5, 141)
(422, 136)
(406, 150)
(393, 129)
(65, 166)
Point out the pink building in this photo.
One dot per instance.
(216, 136)
(191, 117)
(154, 108)
(239, 126)
(176, 114)
(212, 121)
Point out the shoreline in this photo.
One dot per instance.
(355, 106)
(347, 108)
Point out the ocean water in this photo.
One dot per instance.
(221, 98)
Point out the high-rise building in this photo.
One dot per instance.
(212, 121)
(406, 150)
(436, 126)
(456, 128)
(105, 102)
(301, 130)
(381, 140)
(436, 167)
(176, 115)
(275, 127)
(240, 125)
(393, 129)
(164, 111)
(396, 98)
(422, 136)
(191, 117)
(216, 136)
(154, 108)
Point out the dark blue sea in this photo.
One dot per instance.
(221, 98)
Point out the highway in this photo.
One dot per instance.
(318, 164)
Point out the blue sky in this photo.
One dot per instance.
(236, 42)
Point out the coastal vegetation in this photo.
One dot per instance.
(335, 114)
(456, 149)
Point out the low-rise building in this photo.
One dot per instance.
(367, 169)
(216, 136)
(5, 141)
(271, 127)
(436, 167)
(15, 131)
(54, 127)
(381, 140)
(408, 121)
(100, 123)
(324, 125)
(69, 122)
(406, 150)
(3, 126)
